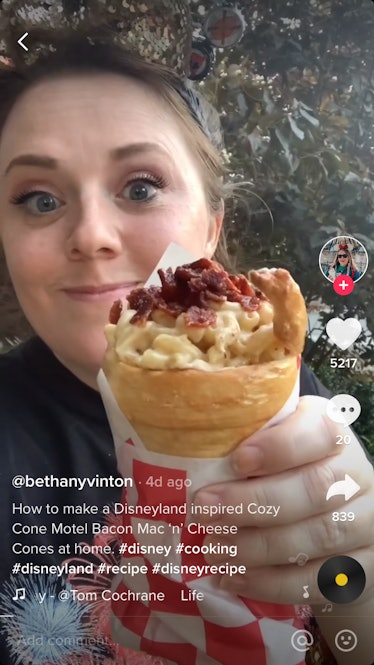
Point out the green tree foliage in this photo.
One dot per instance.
(296, 100)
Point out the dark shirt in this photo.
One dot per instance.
(51, 424)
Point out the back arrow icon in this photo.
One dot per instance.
(20, 41)
(347, 487)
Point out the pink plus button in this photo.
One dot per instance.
(343, 285)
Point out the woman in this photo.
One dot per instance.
(343, 264)
(102, 166)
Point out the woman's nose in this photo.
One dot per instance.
(95, 231)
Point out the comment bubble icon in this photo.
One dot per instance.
(343, 409)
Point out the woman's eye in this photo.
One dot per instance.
(37, 202)
(142, 189)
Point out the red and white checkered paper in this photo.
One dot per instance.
(221, 629)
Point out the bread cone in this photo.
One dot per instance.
(195, 380)
(191, 413)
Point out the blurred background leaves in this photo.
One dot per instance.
(296, 99)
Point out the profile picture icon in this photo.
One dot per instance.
(343, 255)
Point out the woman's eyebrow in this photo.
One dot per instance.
(136, 148)
(43, 161)
(32, 160)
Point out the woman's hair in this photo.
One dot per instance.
(78, 56)
(351, 263)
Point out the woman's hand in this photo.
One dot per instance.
(290, 467)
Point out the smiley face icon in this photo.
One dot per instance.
(346, 640)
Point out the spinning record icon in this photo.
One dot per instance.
(341, 579)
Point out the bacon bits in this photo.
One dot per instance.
(196, 317)
(115, 312)
(192, 288)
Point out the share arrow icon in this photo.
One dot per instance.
(21, 40)
(347, 487)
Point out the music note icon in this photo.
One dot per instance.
(306, 591)
(20, 594)
(301, 559)
(327, 608)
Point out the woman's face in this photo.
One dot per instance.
(116, 184)
(343, 258)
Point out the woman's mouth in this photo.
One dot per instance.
(102, 292)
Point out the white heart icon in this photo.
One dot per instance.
(343, 333)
